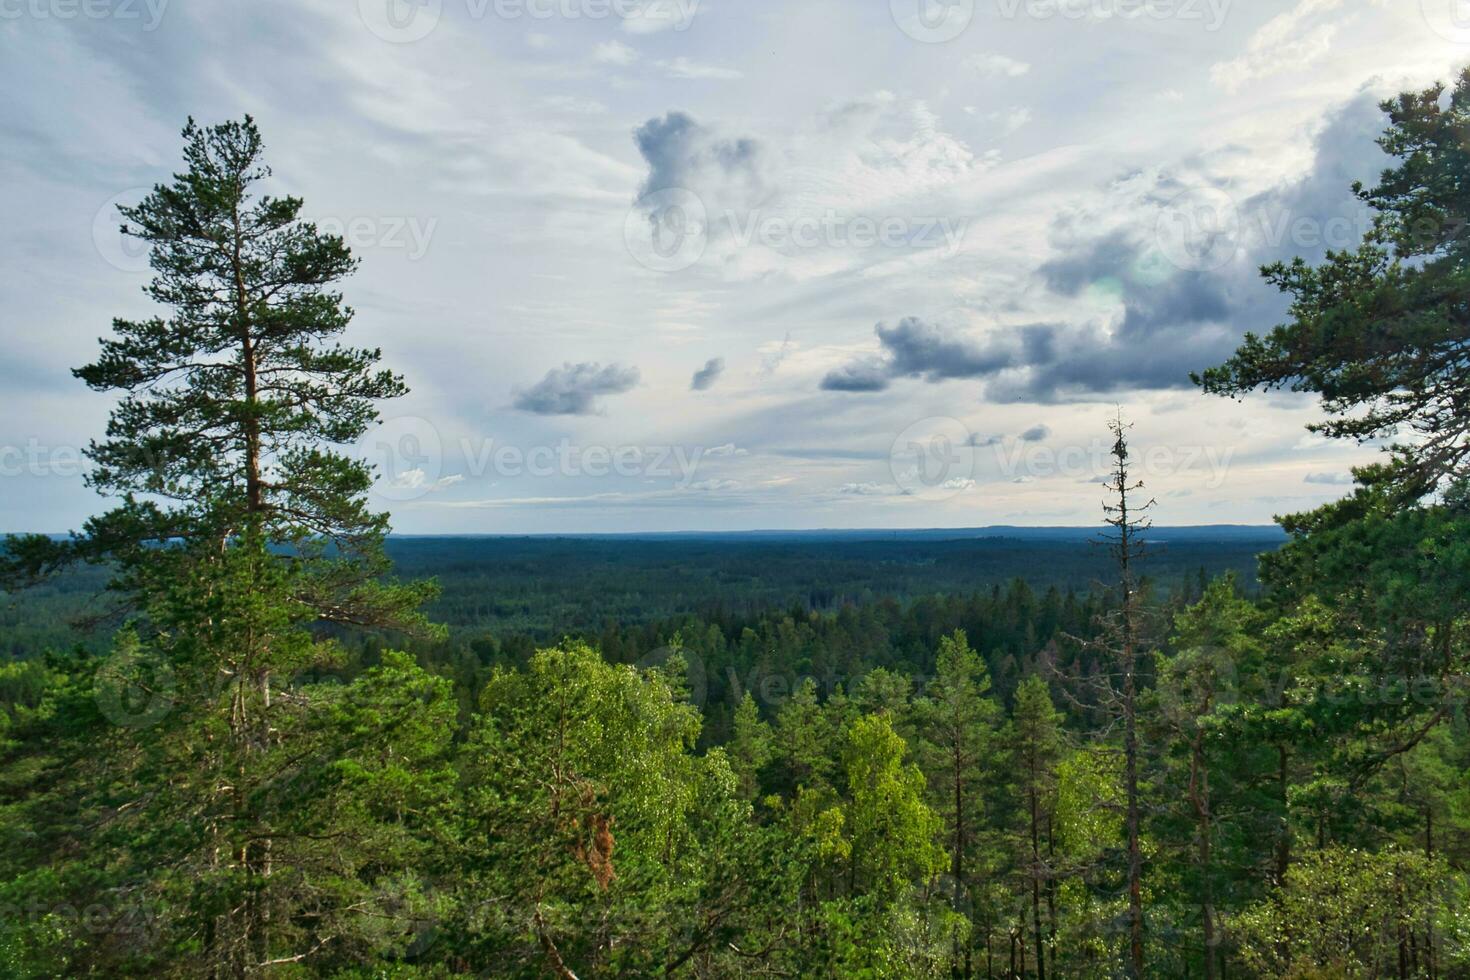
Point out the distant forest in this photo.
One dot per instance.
(510, 590)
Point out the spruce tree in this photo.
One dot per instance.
(1035, 739)
(957, 720)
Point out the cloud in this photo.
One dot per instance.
(712, 486)
(864, 490)
(1141, 315)
(868, 374)
(682, 153)
(1012, 119)
(1284, 43)
(614, 53)
(786, 204)
(573, 389)
(417, 479)
(1036, 433)
(706, 376)
(773, 354)
(994, 65)
(1329, 479)
(682, 67)
(728, 449)
(916, 348)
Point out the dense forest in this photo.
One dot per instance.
(516, 592)
(886, 763)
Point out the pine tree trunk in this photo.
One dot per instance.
(1036, 880)
(1199, 792)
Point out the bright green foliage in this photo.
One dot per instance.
(891, 829)
(804, 743)
(595, 836)
(1351, 913)
(749, 748)
(1087, 825)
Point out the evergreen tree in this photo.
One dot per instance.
(1034, 738)
(1380, 331)
(239, 528)
(957, 720)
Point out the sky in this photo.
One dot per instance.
(657, 265)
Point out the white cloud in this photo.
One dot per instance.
(1012, 119)
(993, 65)
(1329, 479)
(1288, 42)
(682, 67)
(713, 486)
(864, 489)
(614, 53)
(417, 479)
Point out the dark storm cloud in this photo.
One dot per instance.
(573, 389)
(708, 375)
